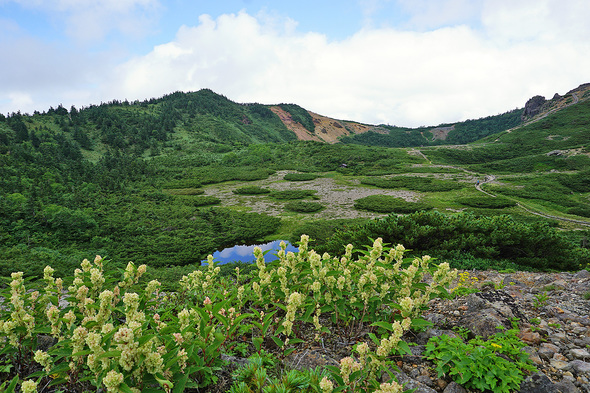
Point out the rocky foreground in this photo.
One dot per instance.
(554, 320)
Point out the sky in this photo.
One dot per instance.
(400, 62)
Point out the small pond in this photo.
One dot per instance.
(246, 253)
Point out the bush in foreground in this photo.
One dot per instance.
(116, 333)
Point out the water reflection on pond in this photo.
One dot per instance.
(246, 253)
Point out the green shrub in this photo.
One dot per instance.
(182, 184)
(579, 182)
(388, 204)
(251, 190)
(486, 202)
(303, 207)
(321, 230)
(498, 237)
(205, 201)
(582, 211)
(292, 194)
(300, 176)
(415, 183)
(497, 364)
(186, 191)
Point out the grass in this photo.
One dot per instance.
(303, 207)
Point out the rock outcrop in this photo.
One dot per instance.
(533, 107)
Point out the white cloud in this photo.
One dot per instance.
(537, 20)
(376, 76)
(20, 99)
(440, 68)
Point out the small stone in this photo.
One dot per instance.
(509, 280)
(545, 353)
(580, 367)
(413, 384)
(560, 336)
(579, 330)
(568, 376)
(560, 364)
(566, 387)
(435, 318)
(559, 356)
(537, 383)
(530, 337)
(441, 384)
(454, 387)
(559, 284)
(423, 379)
(580, 353)
(533, 355)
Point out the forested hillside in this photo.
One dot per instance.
(443, 134)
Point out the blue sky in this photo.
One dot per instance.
(403, 62)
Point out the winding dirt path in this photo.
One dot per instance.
(490, 178)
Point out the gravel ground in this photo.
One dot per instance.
(338, 199)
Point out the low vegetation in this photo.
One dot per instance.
(251, 190)
(462, 236)
(303, 207)
(486, 202)
(388, 204)
(300, 176)
(292, 194)
(424, 184)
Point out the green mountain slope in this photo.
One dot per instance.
(444, 134)
(139, 181)
(558, 141)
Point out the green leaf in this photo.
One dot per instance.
(404, 348)
(61, 367)
(82, 353)
(145, 338)
(278, 341)
(419, 323)
(237, 323)
(125, 388)
(12, 386)
(295, 341)
(109, 354)
(384, 325)
(180, 381)
(257, 341)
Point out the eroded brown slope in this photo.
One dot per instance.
(326, 129)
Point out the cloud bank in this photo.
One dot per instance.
(453, 60)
